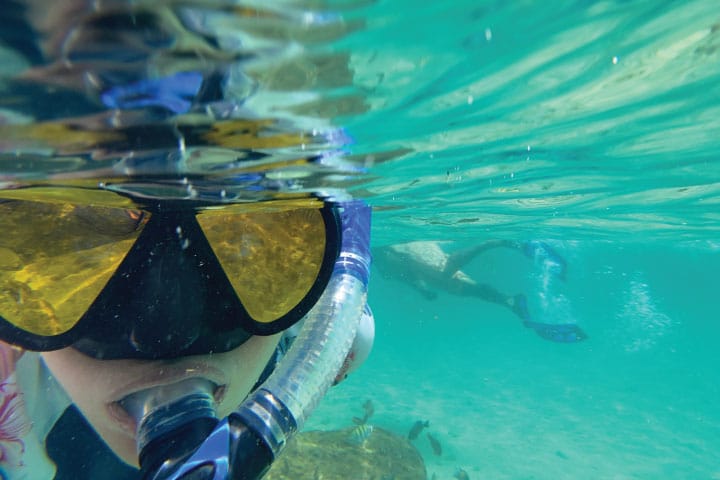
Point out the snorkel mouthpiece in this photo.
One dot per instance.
(179, 437)
(172, 419)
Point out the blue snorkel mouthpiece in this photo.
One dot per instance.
(179, 436)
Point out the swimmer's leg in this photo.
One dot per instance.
(461, 284)
(459, 259)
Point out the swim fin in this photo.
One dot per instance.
(520, 308)
(546, 256)
(562, 333)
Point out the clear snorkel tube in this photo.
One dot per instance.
(179, 437)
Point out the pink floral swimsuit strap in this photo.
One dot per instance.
(14, 422)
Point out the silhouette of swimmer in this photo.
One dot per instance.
(429, 269)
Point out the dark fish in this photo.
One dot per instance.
(461, 474)
(369, 409)
(417, 428)
(434, 444)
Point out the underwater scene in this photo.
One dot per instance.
(545, 237)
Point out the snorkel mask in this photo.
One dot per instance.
(159, 279)
(269, 264)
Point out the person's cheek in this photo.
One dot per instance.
(243, 367)
(87, 383)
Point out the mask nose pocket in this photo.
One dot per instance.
(169, 318)
(169, 298)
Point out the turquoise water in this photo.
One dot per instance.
(636, 400)
(579, 120)
(592, 126)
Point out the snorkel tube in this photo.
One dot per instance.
(179, 437)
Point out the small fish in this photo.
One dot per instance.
(369, 409)
(461, 474)
(434, 444)
(359, 435)
(417, 428)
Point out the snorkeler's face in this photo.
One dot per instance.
(96, 386)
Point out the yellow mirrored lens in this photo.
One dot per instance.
(272, 258)
(64, 194)
(55, 258)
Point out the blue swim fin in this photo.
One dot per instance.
(546, 255)
(520, 307)
(562, 333)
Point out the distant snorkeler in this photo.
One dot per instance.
(429, 269)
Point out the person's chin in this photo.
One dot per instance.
(121, 442)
